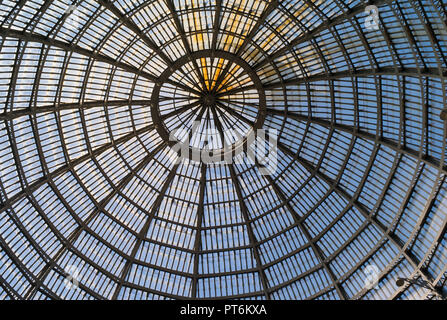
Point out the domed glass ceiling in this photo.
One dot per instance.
(96, 202)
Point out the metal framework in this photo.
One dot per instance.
(96, 202)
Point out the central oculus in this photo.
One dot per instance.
(208, 100)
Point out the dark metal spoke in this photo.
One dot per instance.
(198, 238)
(251, 235)
(69, 166)
(270, 7)
(308, 36)
(393, 145)
(37, 38)
(236, 114)
(244, 211)
(9, 115)
(185, 42)
(145, 228)
(102, 205)
(312, 242)
(216, 24)
(391, 237)
(132, 26)
(180, 110)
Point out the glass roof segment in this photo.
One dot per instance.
(96, 202)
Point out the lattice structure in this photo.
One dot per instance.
(93, 205)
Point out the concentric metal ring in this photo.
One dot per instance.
(210, 98)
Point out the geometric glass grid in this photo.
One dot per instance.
(89, 191)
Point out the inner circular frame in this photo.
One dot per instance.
(155, 110)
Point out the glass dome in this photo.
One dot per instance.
(98, 203)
